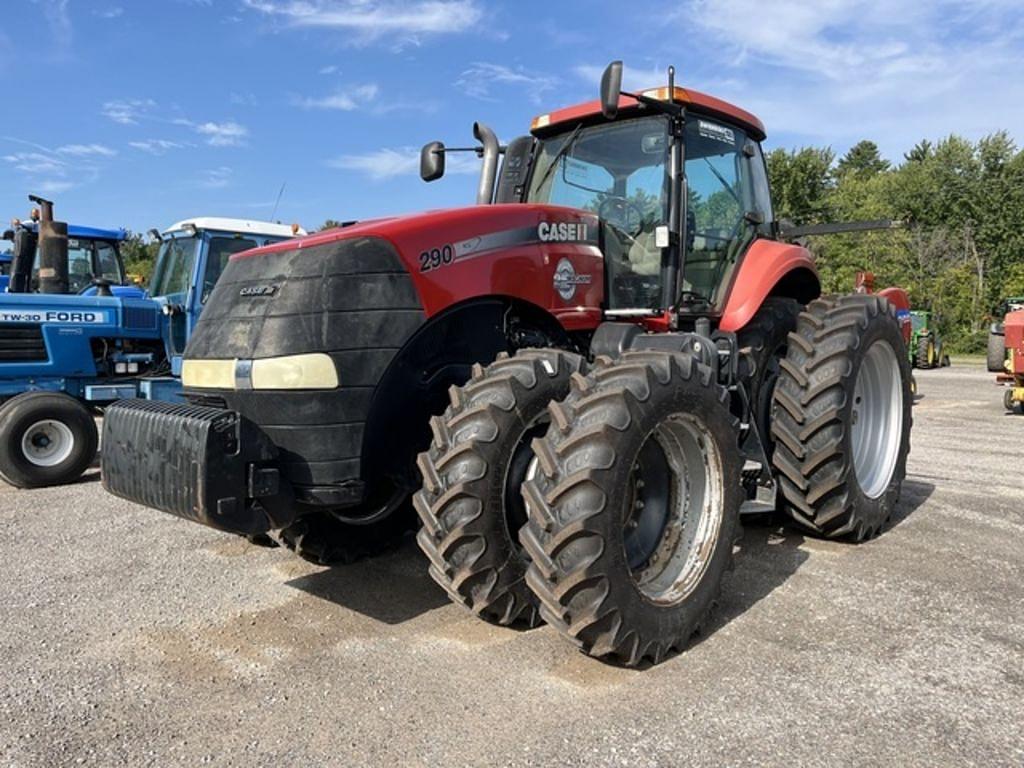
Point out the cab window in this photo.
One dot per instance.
(220, 251)
(719, 195)
(79, 264)
(107, 264)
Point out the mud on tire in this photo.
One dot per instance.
(841, 417)
(470, 504)
(633, 514)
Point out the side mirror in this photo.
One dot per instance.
(432, 161)
(8, 234)
(611, 87)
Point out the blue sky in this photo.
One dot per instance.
(140, 112)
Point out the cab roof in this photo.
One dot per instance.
(239, 226)
(590, 111)
(91, 233)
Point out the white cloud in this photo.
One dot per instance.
(480, 78)
(842, 70)
(344, 100)
(228, 134)
(216, 178)
(127, 111)
(53, 186)
(633, 78)
(85, 150)
(110, 13)
(374, 19)
(35, 162)
(330, 69)
(59, 23)
(156, 146)
(383, 164)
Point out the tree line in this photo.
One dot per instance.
(959, 249)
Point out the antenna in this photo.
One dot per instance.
(671, 82)
(278, 201)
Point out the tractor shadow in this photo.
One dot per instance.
(772, 549)
(392, 588)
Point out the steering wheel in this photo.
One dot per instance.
(622, 214)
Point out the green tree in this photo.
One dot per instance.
(863, 160)
(139, 257)
(801, 181)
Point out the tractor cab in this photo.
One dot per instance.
(676, 178)
(93, 264)
(622, 171)
(192, 255)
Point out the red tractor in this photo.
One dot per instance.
(583, 381)
(1012, 376)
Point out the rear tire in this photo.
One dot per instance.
(633, 514)
(762, 343)
(841, 417)
(996, 354)
(46, 438)
(471, 504)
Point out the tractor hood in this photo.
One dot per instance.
(548, 255)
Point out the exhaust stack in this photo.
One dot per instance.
(53, 249)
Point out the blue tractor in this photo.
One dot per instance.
(93, 257)
(65, 356)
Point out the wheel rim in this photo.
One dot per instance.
(674, 512)
(876, 422)
(47, 443)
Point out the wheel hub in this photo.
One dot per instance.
(47, 443)
(674, 510)
(876, 419)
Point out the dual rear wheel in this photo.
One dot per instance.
(626, 502)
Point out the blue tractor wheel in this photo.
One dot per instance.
(46, 438)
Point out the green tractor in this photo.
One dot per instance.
(925, 347)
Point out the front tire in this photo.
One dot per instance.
(471, 505)
(323, 539)
(46, 438)
(841, 418)
(926, 356)
(633, 514)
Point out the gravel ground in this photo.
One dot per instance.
(131, 638)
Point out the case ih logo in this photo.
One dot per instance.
(258, 290)
(561, 231)
(566, 279)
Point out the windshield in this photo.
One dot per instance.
(618, 171)
(173, 274)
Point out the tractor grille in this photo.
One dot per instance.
(22, 342)
(140, 318)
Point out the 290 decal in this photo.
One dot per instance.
(437, 257)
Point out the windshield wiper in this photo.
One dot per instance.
(725, 184)
(562, 152)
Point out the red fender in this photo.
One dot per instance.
(765, 265)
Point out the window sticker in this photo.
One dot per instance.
(716, 132)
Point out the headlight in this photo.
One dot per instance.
(311, 371)
(314, 370)
(208, 374)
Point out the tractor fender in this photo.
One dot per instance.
(769, 268)
(441, 353)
